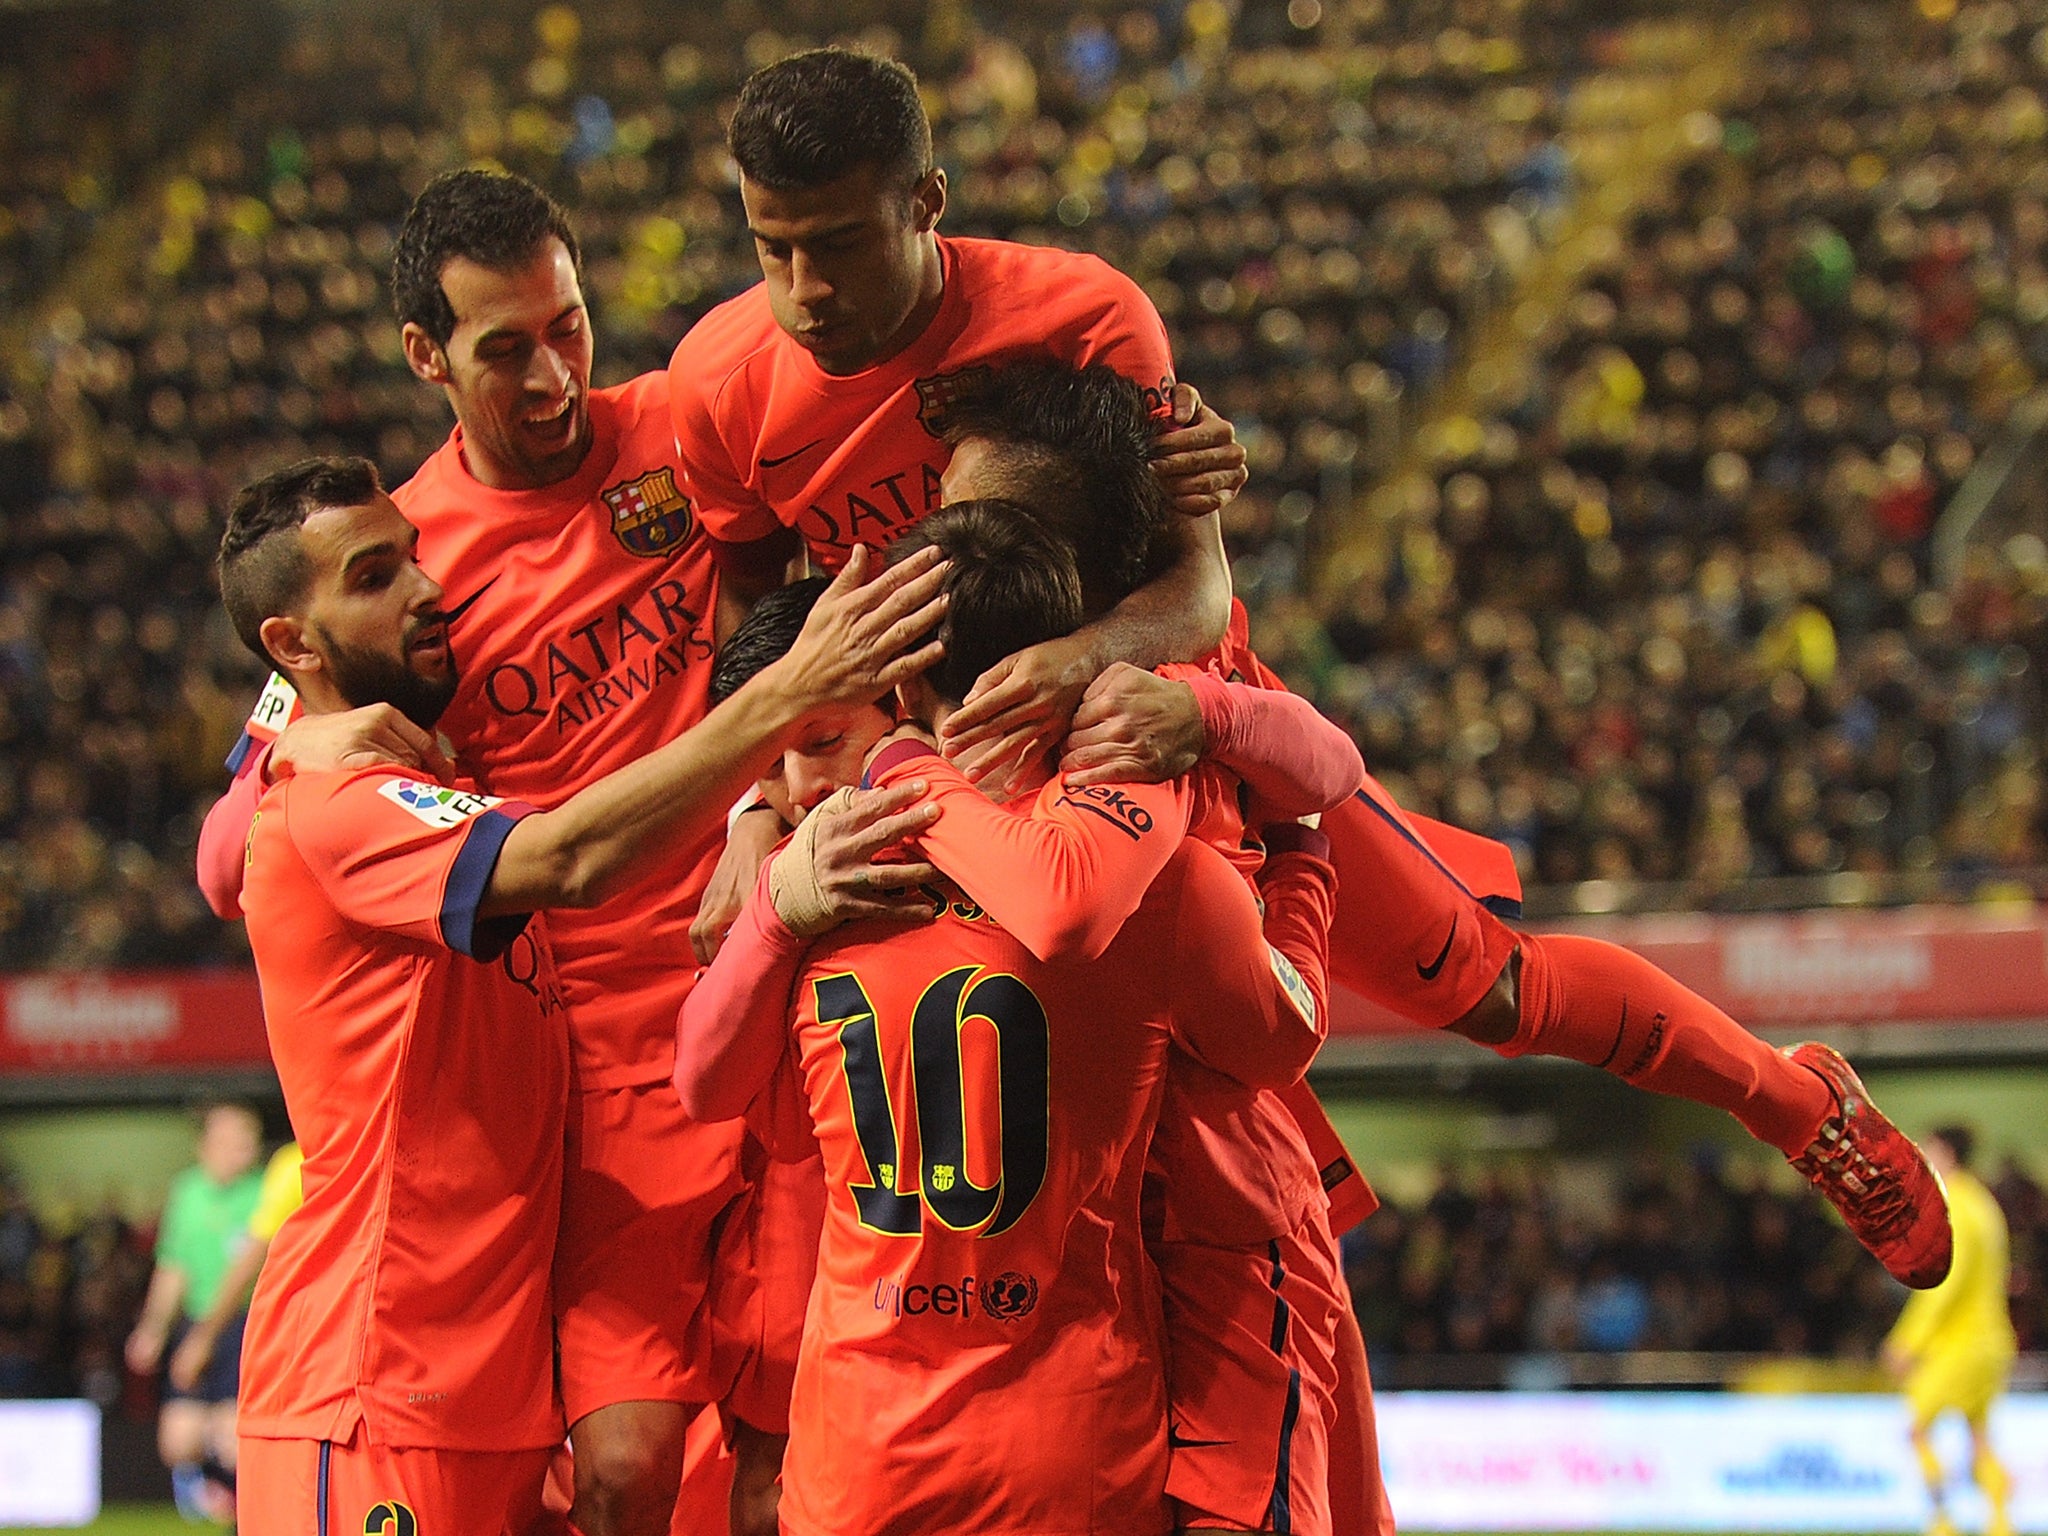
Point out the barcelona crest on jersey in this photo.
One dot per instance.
(650, 515)
(934, 394)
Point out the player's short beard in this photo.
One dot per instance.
(367, 677)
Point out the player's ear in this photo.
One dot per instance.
(928, 202)
(285, 638)
(427, 358)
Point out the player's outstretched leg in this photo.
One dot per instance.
(1411, 936)
(1595, 1002)
(629, 1463)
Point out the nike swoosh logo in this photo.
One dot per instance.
(469, 602)
(1175, 1443)
(1429, 972)
(799, 453)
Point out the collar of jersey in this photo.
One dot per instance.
(564, 495)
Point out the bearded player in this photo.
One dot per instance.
(401, 1346)
(581, 597)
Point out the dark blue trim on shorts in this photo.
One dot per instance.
(1505, 907)
(467, 881)
(1280, 1308)
(1279, 1516)
(320, 1515)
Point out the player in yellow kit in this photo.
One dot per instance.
(1953, 1346)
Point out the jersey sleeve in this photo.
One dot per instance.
(1251, 998)
(406, 856)
(733, 1030)
(1060, 879)
(725, 507)
(1130, 337)
(1296, 762)
(224, 837)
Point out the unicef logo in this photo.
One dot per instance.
(1009, 1296)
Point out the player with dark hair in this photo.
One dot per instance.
(1411, 875)
(810, 401)
(994, 1273)
(1952, 1348)
(583, 592)
(401, 1345)
(1419, 940)
(1289, 757)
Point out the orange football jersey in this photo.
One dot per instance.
(580, 615)
(768, 438)
(424, 1057)
(981, 1351)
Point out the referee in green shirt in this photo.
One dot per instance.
(206, 1220)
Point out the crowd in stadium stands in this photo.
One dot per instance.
(1671, 613)
(1321, 206)
(1669, 616)
(1681, 1257)
(1687, 1257)
(71, 1287)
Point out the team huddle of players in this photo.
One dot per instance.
(970, 1184)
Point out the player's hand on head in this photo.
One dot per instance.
(1133, 727)
(1198, 459)
(357, 738)
(849, 861)
(862, 638)
(752, 839)
(1018, 711)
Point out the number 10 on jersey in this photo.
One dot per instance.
(944, 1186)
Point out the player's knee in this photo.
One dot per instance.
(627, 1465)
(756, 1482)
(1494, 1019)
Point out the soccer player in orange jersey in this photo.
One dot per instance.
(1263, 1350)
(582, 589)
(400, 1353)
(1417, 934)
(981, 1274)
(810, 400)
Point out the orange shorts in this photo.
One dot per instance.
(319, 1488)
(1409, 933)
(642, 1190)
(1251, 1371)
(766, 1261)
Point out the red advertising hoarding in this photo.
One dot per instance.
(127, 1021)
(1935, 965)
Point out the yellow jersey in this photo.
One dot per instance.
(1965, 1315)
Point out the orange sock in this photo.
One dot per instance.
(1595, 1002)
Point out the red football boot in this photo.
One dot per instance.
(1872, 1173)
